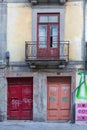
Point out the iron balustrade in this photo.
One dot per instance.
(34, 51)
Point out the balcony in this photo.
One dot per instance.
(44, 55)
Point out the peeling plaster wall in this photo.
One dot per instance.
(19, 29)
(3, 30)
(3, 96)
(74, 28)
(39, 97)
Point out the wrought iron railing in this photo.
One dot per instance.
(41, 51)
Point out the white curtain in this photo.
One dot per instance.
(42, 36)
(54, 35)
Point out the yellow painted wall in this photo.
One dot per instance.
(19, 29)
(74, 28)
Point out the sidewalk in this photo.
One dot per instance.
(29, 125)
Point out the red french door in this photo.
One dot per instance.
(48, 36)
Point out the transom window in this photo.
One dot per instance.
(48, 19)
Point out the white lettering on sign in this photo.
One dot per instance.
(26, 100)
(16, 102)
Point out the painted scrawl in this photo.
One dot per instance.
(81, 99)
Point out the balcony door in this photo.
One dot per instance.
(48, 36)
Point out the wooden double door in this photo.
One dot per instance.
(20, 101)
(58, 105)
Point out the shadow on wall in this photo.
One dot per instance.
(1, 116)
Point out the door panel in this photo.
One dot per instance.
(65, 96)
(14, 115)
(14, 99)
(52, 115)
(65, 114)
(53, 97)
(58, 101)
(20, 102)
(27, 115)
(27, 98)
(53, 102)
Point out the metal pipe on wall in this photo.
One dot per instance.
(84, 37)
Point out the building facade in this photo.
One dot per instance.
(40, 55)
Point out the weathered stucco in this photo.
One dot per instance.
(74, 28)
(39, 97)
(3, 96)
(19, 29)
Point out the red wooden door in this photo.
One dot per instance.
(48, 36)
(27, 102)
(20, 102)
(53, 102)
(14, 101)
(58, 102)
(65, 101)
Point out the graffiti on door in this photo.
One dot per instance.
(64, 99)
(53, 99)
(26, 100)
(16, 102)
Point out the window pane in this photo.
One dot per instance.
(54, 36)
(53, 19)
(42, 36)
(47, 19)
(43, 19)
